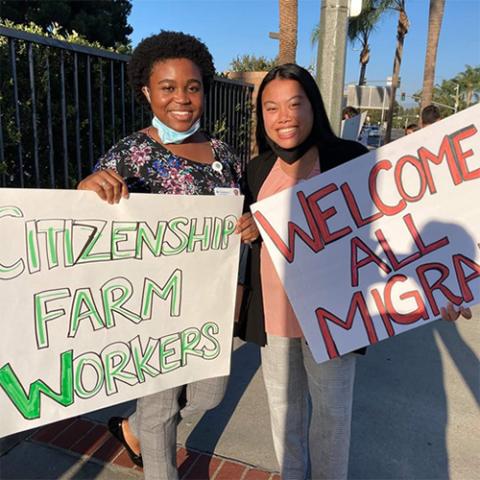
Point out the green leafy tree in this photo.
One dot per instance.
(447, 94)
(33, 138)
(359, 30)
(252, 63)
(469, 82)
(458, 92)
(104, 22)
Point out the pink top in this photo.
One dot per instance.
(280, 320)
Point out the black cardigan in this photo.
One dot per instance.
(251, 326)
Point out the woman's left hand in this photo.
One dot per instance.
(247, 228)
(450, 314)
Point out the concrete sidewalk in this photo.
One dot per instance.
(80, 448)
(416, 416)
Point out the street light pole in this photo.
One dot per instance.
(332, 43)
(457, 95)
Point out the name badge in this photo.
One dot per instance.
(226, 191)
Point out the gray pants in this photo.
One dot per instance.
(310, 409)
(155, 423)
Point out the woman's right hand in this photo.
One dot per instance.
(108, 184)
(450, 313)
(247, 228)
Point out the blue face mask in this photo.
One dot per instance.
(169, 135)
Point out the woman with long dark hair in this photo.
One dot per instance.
(310, 404)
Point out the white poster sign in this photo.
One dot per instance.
(351, 127)
(377, 246)
(106, 303)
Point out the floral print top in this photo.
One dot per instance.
(148, 167)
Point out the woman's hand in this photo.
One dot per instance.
(247, 228)
(450, 314)
(108, 184)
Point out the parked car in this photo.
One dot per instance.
(374, 136)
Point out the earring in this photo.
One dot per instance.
(146, 93)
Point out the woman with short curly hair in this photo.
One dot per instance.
(165, 46)
(170, 71)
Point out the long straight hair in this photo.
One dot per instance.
(321, 129)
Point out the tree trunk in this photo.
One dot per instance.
(402, 30)
(364, 58)
(363, 69)
(288, 31)
(434, 25)
(468, 97)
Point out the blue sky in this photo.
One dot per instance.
(237, 27)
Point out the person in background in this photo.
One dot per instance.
(310, 404)
(349, 112)
(413, 127)
(171, 72)
(430, 114)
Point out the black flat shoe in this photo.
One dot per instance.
(115, 428)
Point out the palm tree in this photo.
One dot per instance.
(469, 82)
(456, 93)
(288, 10)
(434, 25)
(402, 30)
(359, 29)
(446, 94)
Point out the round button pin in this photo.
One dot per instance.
(217, 166)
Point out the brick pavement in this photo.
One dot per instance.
(92, 441)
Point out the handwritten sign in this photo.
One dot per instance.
(377, 246)
(105, 303)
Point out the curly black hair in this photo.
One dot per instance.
(167, 45)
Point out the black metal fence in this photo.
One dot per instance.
(63, 105)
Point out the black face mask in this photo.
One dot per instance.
(291, 155)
